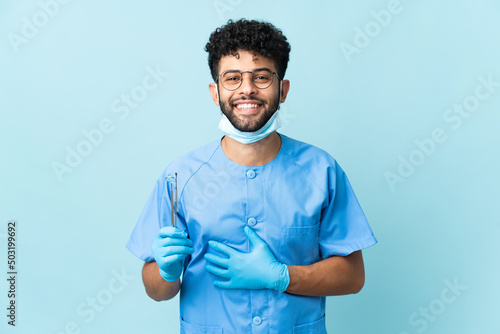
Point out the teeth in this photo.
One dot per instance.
(247, 106)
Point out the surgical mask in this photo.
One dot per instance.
(272, 125)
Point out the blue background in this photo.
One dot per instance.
(437, 225)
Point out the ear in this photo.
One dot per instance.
(285, 87)
(213, 91)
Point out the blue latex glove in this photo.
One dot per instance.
(258, 269)
(170, 247)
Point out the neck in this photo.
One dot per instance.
(255, 154)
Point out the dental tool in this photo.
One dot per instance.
(173, 197)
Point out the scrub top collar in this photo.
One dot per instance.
(245, 168)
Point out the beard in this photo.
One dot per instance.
(253, 123)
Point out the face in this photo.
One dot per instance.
(248, 108)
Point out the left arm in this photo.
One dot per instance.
(259, 269)
(336, 275)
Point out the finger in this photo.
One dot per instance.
(174, 242)
(221, 248)
(173, 250)
(217, 260)
(253, 237)
(223, 273)
(169, 251)
(173, 258)
(224, 284)
(171, 231)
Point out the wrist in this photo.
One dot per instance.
(284, 278)
(167, 277)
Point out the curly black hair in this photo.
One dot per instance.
(257, 36)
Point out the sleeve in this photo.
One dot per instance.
(344, 228)
(155, 215)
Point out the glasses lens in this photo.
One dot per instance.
(231, 80)
(262, 78)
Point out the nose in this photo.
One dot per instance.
(247, 87)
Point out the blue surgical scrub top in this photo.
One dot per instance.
(300, 203)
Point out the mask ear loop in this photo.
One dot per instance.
(279, 96)
(217, 91)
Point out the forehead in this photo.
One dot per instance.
(245, 60)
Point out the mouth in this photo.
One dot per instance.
(248, 107)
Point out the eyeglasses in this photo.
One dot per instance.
(261, 78)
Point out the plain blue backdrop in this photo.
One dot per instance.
(404, 94)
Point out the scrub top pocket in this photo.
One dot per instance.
(317, 327)
(300, 245)
(187, 328)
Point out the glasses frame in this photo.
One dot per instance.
(251, 77)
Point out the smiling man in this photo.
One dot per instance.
(267, 226)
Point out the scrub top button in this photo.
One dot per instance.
(257, 321)
(250, 174)
(251, 221)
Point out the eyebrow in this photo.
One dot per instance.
(257, 69)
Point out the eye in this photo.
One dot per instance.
(262, 77)
(231, 77)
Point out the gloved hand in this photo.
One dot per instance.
(258, 269)
(170, 247)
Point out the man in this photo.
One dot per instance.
(267, 226)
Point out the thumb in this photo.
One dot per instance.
(253, 237)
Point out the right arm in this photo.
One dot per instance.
(156, 287)
(161, 277)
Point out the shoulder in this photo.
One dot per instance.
(187, 165)
(196, 157)
(315, 165)
(306, 155)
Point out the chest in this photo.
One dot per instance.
(284, 207)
